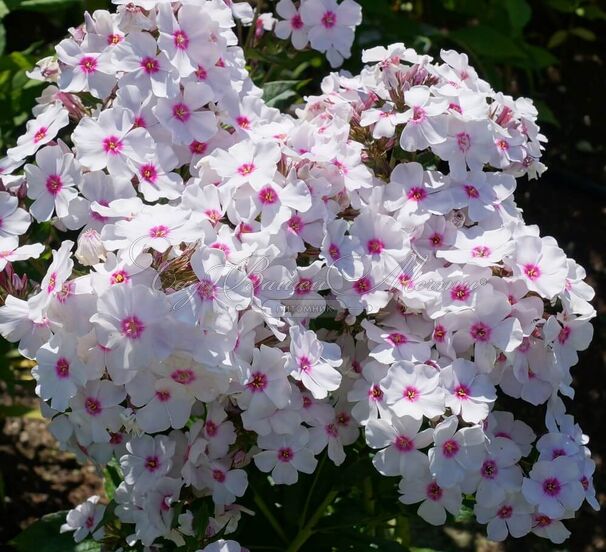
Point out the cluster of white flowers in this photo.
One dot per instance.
(250, 289)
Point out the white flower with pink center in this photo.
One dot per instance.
(144, 67)
(467, 144)
(567, 336)
(39, 132)
(385, 119)
(399, 441)
(87, 69)
(218, 431)
(554, 487)
(334, 433)
(455, 453)
(314, 362)
(284, 456)
(265, 384)
(368, 394)
(215, 299)
(413, 390)
(498, 474)
(85, 520)
(390, 344)
(14, 221)
(425, 121)
(541, 264)
(435, 500)
(331, 26)
(512, 516)
(254, 163)
(96, 411)
(52, 182)
(59, 372)
(224, 483)
(133, 323)
(111, 141)
(147, 460)
(292, 24)
(480, 247)
(155, 179)
(183, 114)
(57, 273)
(468, 392)
(10, 251)
(487, 329)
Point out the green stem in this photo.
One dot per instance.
(307, 531)
(270, 517)
(310, 493)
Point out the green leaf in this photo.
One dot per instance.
(112, 477)
(40, 5)
(488, 43)
(540, 57)
(557, 38)
(277, 93)
(519, 13)
(4, 11)
(44, 535)
(2, 38)
(583, 33)
(546, 115)
(19, 411)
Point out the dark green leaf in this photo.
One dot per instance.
(583, 33)
(557, 38)
(519, 13)
(486, 42)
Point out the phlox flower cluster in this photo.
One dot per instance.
(239, 289)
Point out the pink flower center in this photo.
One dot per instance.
(471, 191)
(132, 327)
(305, 364)
(439, 333)
(246, 168)
(152, 464)
(198, 148)
(219, 475)
(257, 383)
(243, 122)
(88, 65)
(403, 443)
(201, 73)
(416, 194)
(285, 454)
(461, 391)
(52, 282)
(54, 184)
(40, 134)
(163, 395)
(434, 491)
(450, 448)
(418, 114)
(149, 173)
(375, 393)
(410, 393)
(181, 40)
(480, 251)
(505, 512)
(551, 487)
(181, 112)
(460, 292)
(463, 141)
(112, 145)
(334, 252)
(296, 224)
(183, 376)
(329, 19)
(362, 286)
(304, 286)
(268, 196)
(296, 22)
(332, 430)
(89, 522)
(480, 332)
(206, 290)
(397, 339)
(62, 368)
(93, 406)
(532, 271)
(564, 335)
(541, 520)
(118, 277)
(150, 65)
(159, 231)
(211, 428)
(375, 246)
(489, 469)
(113, 39)
(435, 240)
